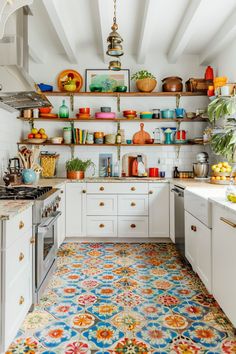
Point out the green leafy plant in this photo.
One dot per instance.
(78, 165)
(221, 107)
(142, 74)
(224, 142)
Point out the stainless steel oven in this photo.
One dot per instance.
(46, 247)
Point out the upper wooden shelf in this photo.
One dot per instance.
(125, 94)
(87, 120)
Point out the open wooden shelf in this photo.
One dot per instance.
(87, 120)
(125, 94)
(71, 145)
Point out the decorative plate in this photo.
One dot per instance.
(65, 75)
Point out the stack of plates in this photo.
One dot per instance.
(105, 115)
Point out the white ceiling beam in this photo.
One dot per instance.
(185, 31)
(223, 37)
(145, 31)
(102, 31)
(60, 29)
(34, 56)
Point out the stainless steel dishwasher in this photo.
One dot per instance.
(179, 219)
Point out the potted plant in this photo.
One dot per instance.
(145, 81)
(76, 168)
(223, 140)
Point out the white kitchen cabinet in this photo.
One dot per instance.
(133, 205)
(62, 219)
(172, 214)
(102, 226)
(101, 204)
(198, 248)
(75, 209)
(224, 260)
(16, 278)
(159, 212)
(132, 226)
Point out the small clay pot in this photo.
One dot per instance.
(172, 84)
(146, 85)
(75, 174)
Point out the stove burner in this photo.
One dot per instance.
(29, 193)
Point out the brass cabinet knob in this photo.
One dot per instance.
(133, 189)
(150, 192)
(21, 300)
(21, 257)
(101, 204)
(133, 204)
(84, 191)
(32, 240)
(21, 225)
(101, 226)
(101, 188)
(132, 226)
(193, 228)
(62, 192)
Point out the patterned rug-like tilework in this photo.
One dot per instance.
(124, 298)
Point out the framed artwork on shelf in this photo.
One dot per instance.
(104, 80)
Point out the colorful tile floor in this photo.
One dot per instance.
(124, 298)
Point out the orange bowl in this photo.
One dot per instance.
(44, 110)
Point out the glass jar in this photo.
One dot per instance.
(67, 135)
(64, 110)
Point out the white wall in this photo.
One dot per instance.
(10, 133)
(224, 63)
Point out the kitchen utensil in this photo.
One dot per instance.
(130, 113)
(128, 142)
(190, 115)
(141, 136)
(57, 140)
(43, 110)
(98, 135)
(65, 77)
(95, 88)
(45, 87)
(168, 113)
(168, 135)
(28, 176)
(201, 169)
(180, 112)
(67, 135)
(105, 115)
(149, 141)
(180, 136)
(127, 162)
(156, 113)
(48, 115)
(209, 73)
(84, 110)
(106, 109)
(153, 172)
(146, 115)
(225, 90)
(162, 174)
(157, 136)
(110, 139)
(130, 116)
(13, 174)
(172, 84)
(83, 116)
(99, 141)
(35, 141)
(121, 88)
(202, 157)
(27, 113)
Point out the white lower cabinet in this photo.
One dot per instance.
(16, 278)
(133, 205)
(224, 260)
(172, 214)
(75, 209)
(130, 226)
(198, 248)
(102, 226)
(159, 210)
(101, 204)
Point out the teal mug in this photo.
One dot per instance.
(180, 112)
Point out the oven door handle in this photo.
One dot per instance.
(42, 228)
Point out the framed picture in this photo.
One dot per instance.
(102, 80)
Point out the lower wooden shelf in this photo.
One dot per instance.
(104, 145)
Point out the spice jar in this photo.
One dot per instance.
(67, 135)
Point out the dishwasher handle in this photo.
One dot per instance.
(178, 192)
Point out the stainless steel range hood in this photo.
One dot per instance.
(17, 89)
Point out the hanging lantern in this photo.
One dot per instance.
(114, 40)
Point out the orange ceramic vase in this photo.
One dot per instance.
(75, 174)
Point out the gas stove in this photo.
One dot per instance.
(22, 192)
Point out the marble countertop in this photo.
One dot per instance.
(223, 202)
(10, 208)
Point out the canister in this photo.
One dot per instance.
(67, 135)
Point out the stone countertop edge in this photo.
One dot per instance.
(223, 203)
(10, 208)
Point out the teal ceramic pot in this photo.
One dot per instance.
(146, 116)
(121, 89)
(28, 176)
(167, 113)
(95, 88)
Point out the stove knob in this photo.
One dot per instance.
(55, 208)
(58, 199)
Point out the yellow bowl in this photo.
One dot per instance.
(145, 112)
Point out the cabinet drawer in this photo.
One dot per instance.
(129, 226)
(101, 204)
(102, 226)
(17, 257)
(16, 227)
(133, 205)
(117, 188)
(18, 300)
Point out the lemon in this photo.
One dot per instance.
(220, 164)
(223, 178)
(213, 167)
(223, 169)
(233, 199)
(225, 164)
(217, 170)
(217, 178)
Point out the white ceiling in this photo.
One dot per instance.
(77, 28)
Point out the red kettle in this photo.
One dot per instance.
(209, 73)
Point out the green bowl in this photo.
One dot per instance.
(145, 116)
(121, 88)
(94, 88)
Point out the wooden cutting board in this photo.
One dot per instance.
(141, 136)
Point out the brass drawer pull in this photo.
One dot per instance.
(101, 226)
(101, 188)
(228, 222)
(101, 204)
(133, 204)
(150, 192)
(21, 225)
(193, 228)
(84, 191)
(62, 192)
(21, 257)
(132, 226)
(21, 300)
(32, 240)
(133, 189)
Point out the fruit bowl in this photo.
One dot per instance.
(35, 141)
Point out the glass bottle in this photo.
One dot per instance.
(117, 169)
(118, 137)
(64, 110)
(176, 172)
(108, 167)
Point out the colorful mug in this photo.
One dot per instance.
(180, 112)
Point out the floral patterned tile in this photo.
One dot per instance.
(107, 298)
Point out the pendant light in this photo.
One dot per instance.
(114, 41)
